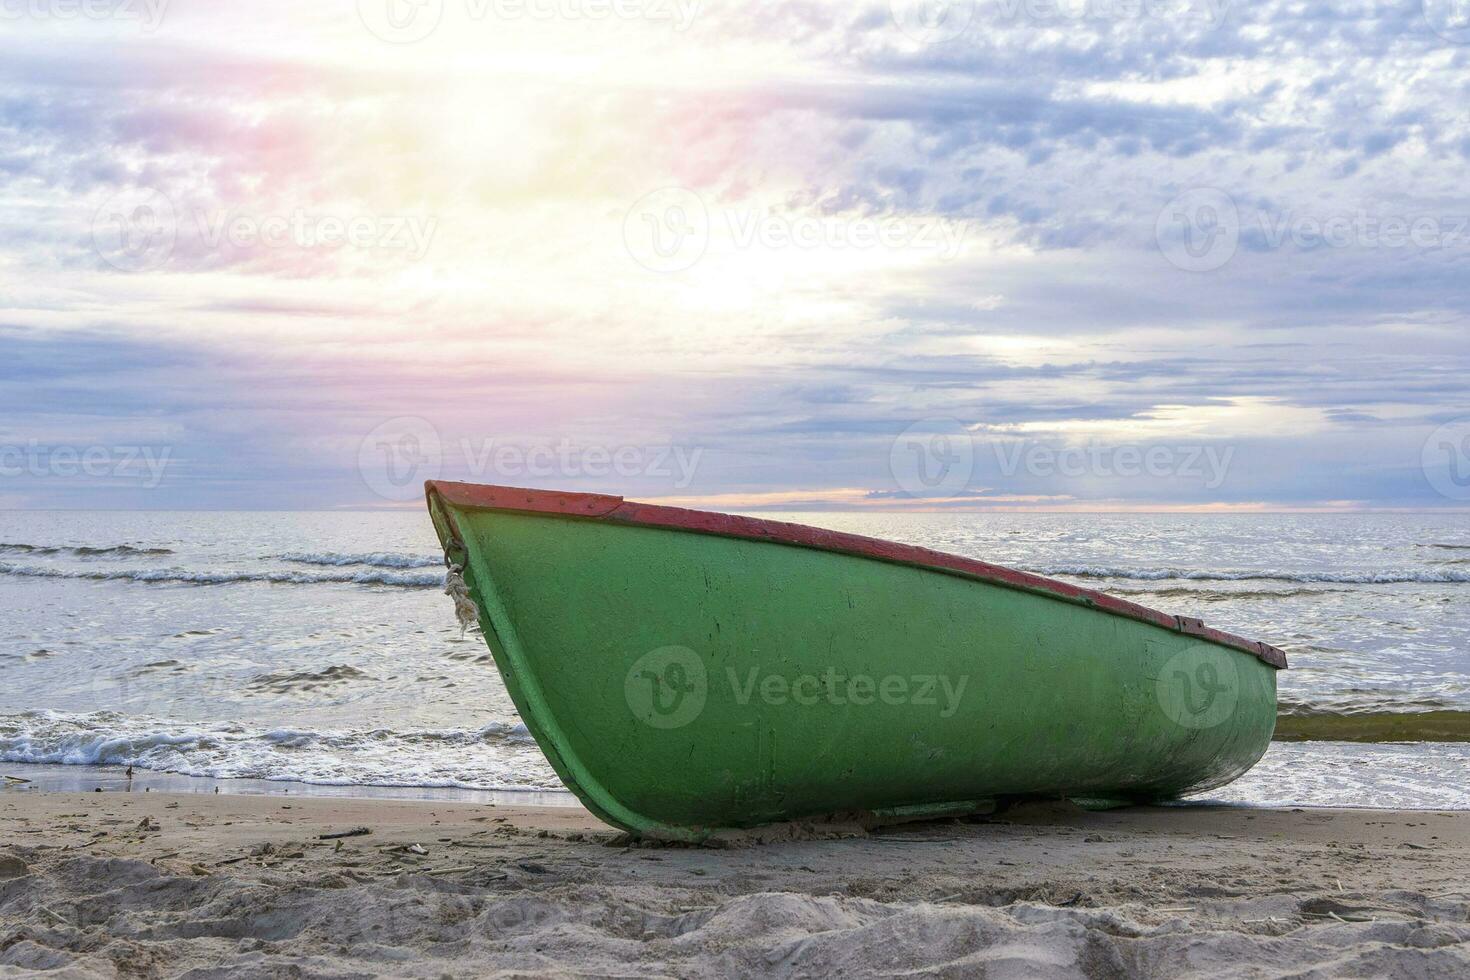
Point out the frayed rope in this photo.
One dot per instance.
(464, 607)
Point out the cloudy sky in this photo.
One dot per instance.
(1194, 254)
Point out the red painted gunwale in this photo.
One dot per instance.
(597, 506)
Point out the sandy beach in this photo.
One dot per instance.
(114, 884)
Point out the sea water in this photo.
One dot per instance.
(320, 647)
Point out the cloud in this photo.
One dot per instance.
(1090, 296)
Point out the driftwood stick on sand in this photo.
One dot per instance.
(357, 832)
(56, 917)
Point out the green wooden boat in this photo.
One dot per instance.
(687, 672)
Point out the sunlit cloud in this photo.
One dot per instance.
(781, 234)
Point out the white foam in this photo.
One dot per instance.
(499, 756)
(1410, 775)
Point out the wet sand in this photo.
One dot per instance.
(204, 885)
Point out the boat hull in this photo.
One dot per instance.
(682, 682)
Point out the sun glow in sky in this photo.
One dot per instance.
(823, 253)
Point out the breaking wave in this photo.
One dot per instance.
(1387, 577)
(377, 559)
(499, 756)
(179, 576)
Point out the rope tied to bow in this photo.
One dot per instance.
(464, 607)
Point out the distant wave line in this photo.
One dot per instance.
(1195, 575)
(82, 551)
(1207, 594)
(376, 559)
(179, 576)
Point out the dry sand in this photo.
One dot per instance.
(144, 885)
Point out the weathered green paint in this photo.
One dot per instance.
(832, 682)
